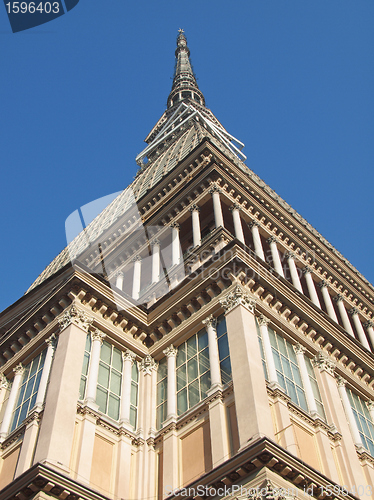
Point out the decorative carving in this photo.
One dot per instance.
(4, 384)
(253, 224)
(215, 189)
(324, 363)
(307, 270)
(369, 324)
(19, 369)
(155, 241)
(338, 298)
(148, 364)
(210, 321)
(323, 284)
(51, 341)
(97, 335)
(119, 273)
(340, 381)
(235, 206)
(238, 296)
(170, 351)
(263, 320)
(290, 255)
(194, 207)
(299, 349)
(74, 316)
(175, 225)
(353, 311)
(272, 239)
(370, 405)
(136, 258)
(128, 355)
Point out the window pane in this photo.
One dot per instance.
(193, 393)
(296, 375)
(286, 367)
(133, 413)
(82, 388)
(30, 385)
(204, 384)
(106, 352)
(34, 366)
(161, 372)
(302, 400)
(202, 339)
(117, 359)
(113, 407)
(182, 401)
(226, 370)
(291, 391)
(223, 347)
(282, 346)
(134, 394)
(191, 347)
(115, 383)
(101, 399)
(161, 391)
(192, 369)
(85, 364)
(181, 377)
(134, 372)
(204, 361)
(273, 340)
(103, 378)
(23, 412)
(181, 355)
(221, 326)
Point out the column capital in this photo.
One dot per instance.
(235, 206)
(323, 284)
(370, 404)
(4, 383)
(74, 316)
(299, 349)
(210, 321)
(272, 239)
(214, 189)
(324, 363)
(128, 355)
(194, 208)
(155, 241)
(290, 255)
(340, 381)
(52, 341)
(353, 311)
(98, 335)
(19, 369)
(119, 272)
(175, 225)
(369, 324)
(338, 298)
(148, 364)
(136, 258)
(238, 296)
(253, 223)
(263, 320)
(307, 270)
(170, 351)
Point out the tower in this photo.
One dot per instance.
(197, 339)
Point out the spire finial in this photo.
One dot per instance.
(184, 82)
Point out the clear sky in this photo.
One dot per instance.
(292, 79)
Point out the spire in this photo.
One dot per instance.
(184, 82)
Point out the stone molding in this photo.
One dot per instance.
(370, 404)
(307, 270)
(253, 223)
(271, 239)
(339, 297)
(341, 382)
(194, 207)
(299, 349)
(175, 225)
(369, 324)
(324, 363)
(148, 364)
(235, 206)
(215, 189)
(239, 296)
(98, 335)
(170, 351)
(4, 383)
(263, 320)
(210, 321)
(52, 341)
(323, 284)
(136, 258)
(353, 311)
(19, 369)
(75, 316)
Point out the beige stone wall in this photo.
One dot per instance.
(307, 446)
(196, 453)
(102, 465)
(8, 467)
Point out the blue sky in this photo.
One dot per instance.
(292, 79)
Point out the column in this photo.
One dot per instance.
(369, 325)
(339, 299)
(196, 233)
(294, 271)
(128, 358)
(56, 435)
(215, 369)
(259, 251)
(217, 208)
(136, 277)
(360, 329)
(275, 255)
(235, 209)
(263, 322)
(155, 260)
(18, 373)
(175, 243)
(119, 280)
(171, 354)
(97, 340)
(4, 385)
(311, 286)
(324, 286)
(348, 411)
(299, 351)
(251, 398)
(51, 342)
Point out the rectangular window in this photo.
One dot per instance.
(316, 393)
(363, 420)
(108, 392)
(223, 348)
(161, 409)
(86, 363)
(134, 394)
(193, 374)
(28, 390)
